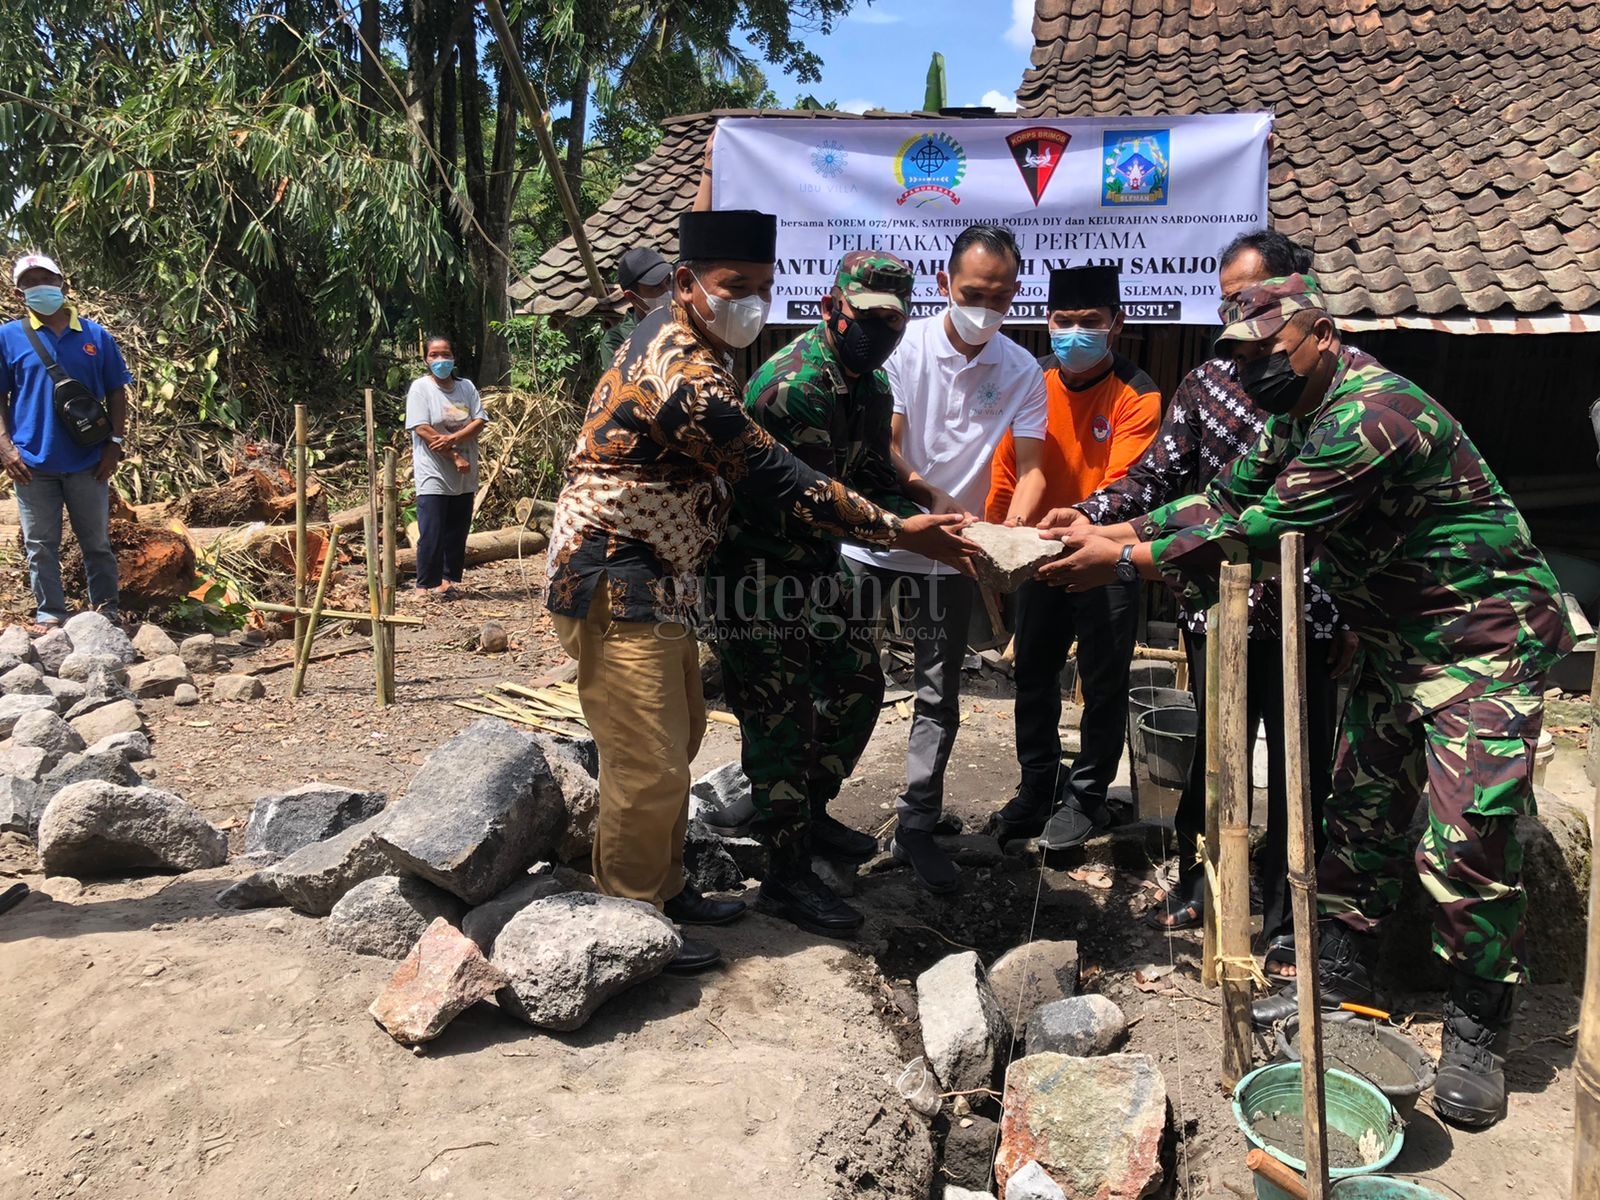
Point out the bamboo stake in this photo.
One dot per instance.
(338, 614)
(1213, 836)
(1302, 867)
(1586, 1092)
(370, 528)
(391, 525)
(303, 651)
(299, 518)
(1236, 968)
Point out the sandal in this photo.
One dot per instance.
(13, 896)
(1175, 913)
(41, 627)
(1280, 953)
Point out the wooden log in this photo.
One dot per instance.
(340, 614)
(1235, 969)
(533, 513)
(299, 518)
(1302, 864)
(492, 545)
(1213, 777)
(317, 656)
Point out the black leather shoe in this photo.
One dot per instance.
(1470, 1090)
(1024, 816)
(731, 820)
(1346, 968)
(1071, 826)
(689, 907)
(916, 849)
(796, 894)
(833, 839)
(694, 956)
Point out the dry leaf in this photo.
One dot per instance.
(1092, 877)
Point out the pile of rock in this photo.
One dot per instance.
(1077, 1120)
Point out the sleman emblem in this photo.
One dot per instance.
(1137, 166)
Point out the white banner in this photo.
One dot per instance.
(1159, 197)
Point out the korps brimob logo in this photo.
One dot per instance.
(930, 166)
(1137, 166)
(1038, 152)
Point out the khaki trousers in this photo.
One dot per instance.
(639, 686)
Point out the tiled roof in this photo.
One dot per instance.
(1441, 157)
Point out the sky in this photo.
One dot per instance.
(877, 57)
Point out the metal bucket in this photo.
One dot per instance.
(1168, 737)
(1142, 700)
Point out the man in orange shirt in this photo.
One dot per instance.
(1104, 411)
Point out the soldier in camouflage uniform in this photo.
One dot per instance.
(793, 636)
(1458, 619)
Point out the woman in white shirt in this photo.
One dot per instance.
(444, 415)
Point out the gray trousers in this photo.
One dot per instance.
(934, 611)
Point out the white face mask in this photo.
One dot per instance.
(651, 303)
(974, 325)
(736, 323)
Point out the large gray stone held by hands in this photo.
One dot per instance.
(1011, 556)
(483, 808)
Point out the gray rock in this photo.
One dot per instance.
(969, 1153)
(569, 954)
(76, 768)
(719, 788)
(283, 822)
(25, 762)
(385, 916)
(21, 803)
(97, 828)
(16, 643)
(842, 878)
(580, 798)
(1033, 1182)
(316, 877)
(133, 746)
(67, 692)
(93, 633)
(152, 642)
(1082, 1026)
(583, 750)
(23, 680)
(159, 677)
(12, 709)
(80, 664)
(199, 653)
(964, 1031)
(482, 810)
(1011, 556)
(484, 923)
(237, 688)
(186, 695)
(951, 1192)
(492, 638)
(117, 716)
(9, 663)
(1035, 973)
(51, 650)
(47, 731)
(707, 865)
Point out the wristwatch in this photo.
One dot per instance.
(1126, 571)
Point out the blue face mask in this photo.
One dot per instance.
(45, 299)
(441, 367)
(1078, 349)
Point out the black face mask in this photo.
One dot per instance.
(1272, 384)
(863, 344)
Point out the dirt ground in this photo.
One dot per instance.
(158, 1045)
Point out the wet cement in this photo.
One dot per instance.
(1350, 1047)
(1285, 1131)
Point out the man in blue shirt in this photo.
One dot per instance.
(47, 467)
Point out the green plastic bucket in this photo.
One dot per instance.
(1354, 1107)
(1381, 1187)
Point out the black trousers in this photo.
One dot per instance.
(1264, 704)
(442, 526)
(1103, 620)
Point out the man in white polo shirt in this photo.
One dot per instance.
(959, 385)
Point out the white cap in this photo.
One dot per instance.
(29, 262)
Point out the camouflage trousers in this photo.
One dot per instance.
(1475, 760)
(801, 673)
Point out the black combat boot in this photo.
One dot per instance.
(791, 891)
(1347, 964)
(835, 841)
(1470, 1090)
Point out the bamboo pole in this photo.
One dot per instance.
(391, 527)
(303, 651)
(1213, 776)
(370, 528)
(299, 518)
(1235, 967)
(338, 614)
(1302, 864)
(1586, 1090)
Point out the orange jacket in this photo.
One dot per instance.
(1096, 433)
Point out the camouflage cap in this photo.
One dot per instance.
(875, 279)
(1261, 310)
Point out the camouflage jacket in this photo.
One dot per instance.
(664, 446)
(802, 398)
(1428, 558)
